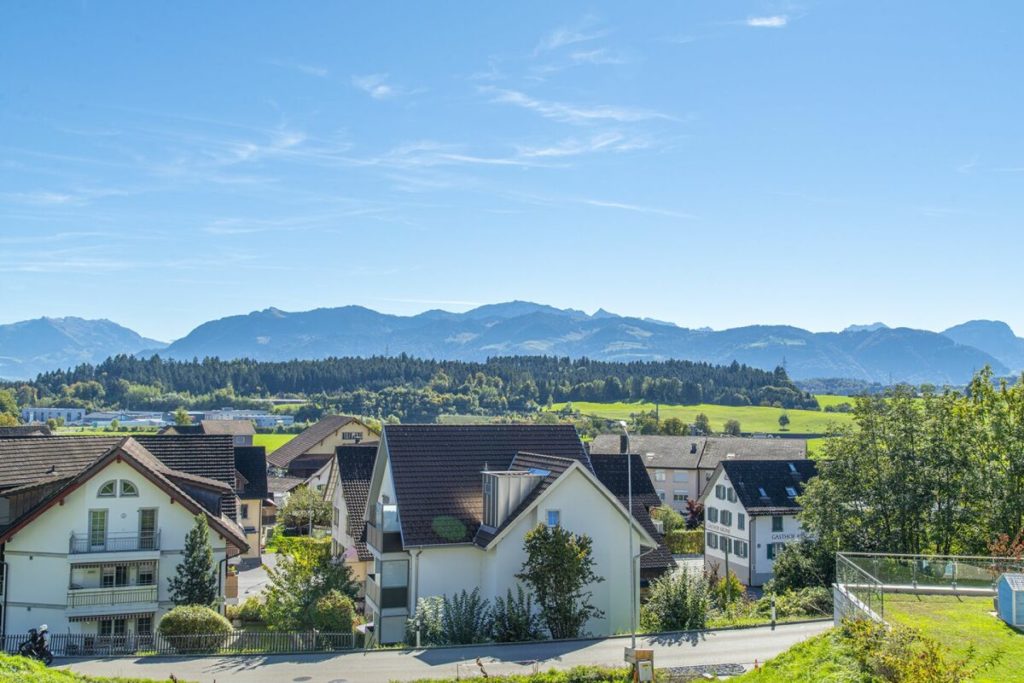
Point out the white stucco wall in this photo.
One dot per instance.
(39, 565)
(714, 558)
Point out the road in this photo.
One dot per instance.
(737, 646)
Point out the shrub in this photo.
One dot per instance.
(727, 590)
(334, 613)
(194, 628)
(804, 564)
(685, 542)
(670, 519)
(466, 618)
(252, 610)
(426, 621)
(676, 603)
(815, 601)
(514, 619)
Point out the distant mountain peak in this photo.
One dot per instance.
(871, 327)
(991, 336)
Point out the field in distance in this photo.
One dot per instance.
(752, 418)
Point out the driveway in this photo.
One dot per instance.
(254, 581)
(736, 646)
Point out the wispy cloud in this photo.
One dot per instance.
(377, 86)
(603, 142)
(583, 32)
(599, 56)
(968, 167)
(774, 21)
(637, 208)
(308, 69)
(571, 113)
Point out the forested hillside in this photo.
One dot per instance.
(412, 388)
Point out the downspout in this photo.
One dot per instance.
(221, 569)
(416, 582)
(3, 617)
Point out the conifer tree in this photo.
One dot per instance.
(196, 580)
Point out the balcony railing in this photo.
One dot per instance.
(386, 597)
(109, 597)
(114, 543)
(383, 541)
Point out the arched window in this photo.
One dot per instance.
(108, 490)
(128, 488)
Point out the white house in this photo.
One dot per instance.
(348, 484)
(70, 416)
(92, 527)
(750, 513)
(449, 507)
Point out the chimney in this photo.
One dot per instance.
(504, 491)
(623, 443)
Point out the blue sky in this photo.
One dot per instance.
(709, 163)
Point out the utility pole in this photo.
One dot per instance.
(629, 521)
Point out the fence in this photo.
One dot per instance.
(859, 592)
(938, 573)
(233, 643)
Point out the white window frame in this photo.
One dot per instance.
(558, 518)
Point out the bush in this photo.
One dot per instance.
(194, 628)
(676, 603)
(727, 591)
(466, 618)
(670, 519)
(426, 621)
(683, 542)
(252, 610)
(514, 619)
(807, 602)
(805, 564)
(290, 545)
(334, 613)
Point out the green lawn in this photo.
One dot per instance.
(752, 418)
(20, 670)
(822, 659)
(962, 623)
(271, 441)
(825, 400)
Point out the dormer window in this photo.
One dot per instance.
(128, 488)
(108, 490)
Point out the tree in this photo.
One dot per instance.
(196, 579)
(181, 417)
(805, 564)
(670, 519)
(732, 428)
(702, 424)
(305, 505)
(694, 513)
(333, 612)
(784, 422)
(300, 579)
(677, 602)
(558, 568)
(673, 426)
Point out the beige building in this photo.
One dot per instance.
(313, 448)
(681, 466)
(251, 487)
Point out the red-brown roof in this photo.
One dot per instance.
(312, 435)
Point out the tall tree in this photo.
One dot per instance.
(558, 568)
(305, 506)
(181, 417)
(300, 579)
(702, 424)
(196, 579)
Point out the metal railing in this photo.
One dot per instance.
(113, 543)
(233, 643)
(939, 573)
(862, 591)
(124, 595)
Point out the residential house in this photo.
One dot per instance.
(347, 490)
(449, 507)
(92, 527)
(251, 476)
(70, 416)
(314, 447)
(681, 466)
(750, 511)
(240, 431)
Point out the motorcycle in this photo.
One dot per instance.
(35, 646)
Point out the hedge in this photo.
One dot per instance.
(685, 542)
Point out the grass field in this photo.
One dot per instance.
(752, 418)
(959, 624)
(271, 441)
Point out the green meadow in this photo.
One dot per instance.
(271, 441)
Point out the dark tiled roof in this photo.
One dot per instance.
(28, 461)
(251, 463)
(611, 470)
(24, 430)
(181, 430)
(436, 470)
(719, 449)
(355, 469)
(657, 451)
(283, 484)
(212, 457)
(749, 477)
(310, 437)
(231, 427)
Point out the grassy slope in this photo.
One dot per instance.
(271, 441)
(821, 659)
(20, 670)
(752, 418)
(959, 624)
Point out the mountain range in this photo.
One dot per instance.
(873, 353)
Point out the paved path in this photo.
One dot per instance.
(737, 646)
(254, 581)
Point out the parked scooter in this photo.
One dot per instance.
(35, 647)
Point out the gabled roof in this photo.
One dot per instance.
(251, 463)
(309, 438)
(24, 430)
(181, 430)
(231, 427)
(682, 452)
(283, 484)
(1014, 581)
(212, 457)
(612, 471)
(436, 470)
(749, 478)
(128, 450)
(721, 448)
(355, 469)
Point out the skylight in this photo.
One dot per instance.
(791, 492)
(761, 491)
(539, 472)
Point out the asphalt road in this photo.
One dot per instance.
(738, 646)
